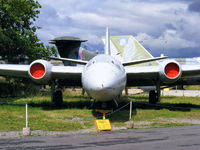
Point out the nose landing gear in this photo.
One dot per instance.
(107, 105)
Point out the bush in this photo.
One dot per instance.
(17, 88)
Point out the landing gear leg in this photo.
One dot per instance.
(56, 94)
(126, 90)
(83, 92)
(116, 104)
(107, 105)
(158, 90)
(93, 104)
(154, 95)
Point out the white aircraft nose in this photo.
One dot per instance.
(102, 81)
(101, 77)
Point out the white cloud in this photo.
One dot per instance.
(170, 39)
(152, 19)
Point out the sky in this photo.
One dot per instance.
(169, 27)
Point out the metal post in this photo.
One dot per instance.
(130, 115)
(26, 131)
(26, 115)
(104, 115)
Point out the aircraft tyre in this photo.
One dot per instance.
(153, 97)
(57, 98)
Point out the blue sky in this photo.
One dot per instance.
(171, 27)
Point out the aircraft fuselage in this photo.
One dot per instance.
(104, 78)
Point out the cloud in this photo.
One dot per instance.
(175, 21)
(195, 6)
(169, 42)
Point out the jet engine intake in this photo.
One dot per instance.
(170, 71)
(40, 71)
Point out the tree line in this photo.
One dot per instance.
(18, 33)
(18, 37)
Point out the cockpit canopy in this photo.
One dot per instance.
(101, 58)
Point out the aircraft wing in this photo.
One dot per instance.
(68, 73)
(81, 62)
(190, 70)
(14, 70)
(142, 61)
(147, 75)
(139, 72)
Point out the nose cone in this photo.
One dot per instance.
(99, 80)
(102, 81)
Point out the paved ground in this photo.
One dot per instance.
(187, 93)
(176, 138)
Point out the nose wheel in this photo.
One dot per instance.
(108, 105)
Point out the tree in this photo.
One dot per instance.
(17, 31)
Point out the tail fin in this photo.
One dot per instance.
(85, 54)
(127, 48)
(107, 42)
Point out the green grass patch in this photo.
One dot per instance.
(192, 87)
(76, 114)
(13, 118)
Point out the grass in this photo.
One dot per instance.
(192, 87)
(76, 114)
(43, 115)
(13, 118)
(176, 111)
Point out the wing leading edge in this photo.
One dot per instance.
(154, 73)
(14, 70)
(57, 72)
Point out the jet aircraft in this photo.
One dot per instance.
(103, 77)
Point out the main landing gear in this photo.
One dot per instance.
(56, 94)
(154, 95)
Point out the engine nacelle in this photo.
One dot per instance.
(170, 71)
(40, 71)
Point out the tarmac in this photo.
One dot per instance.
(186, 93)
(175, 138)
